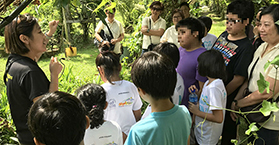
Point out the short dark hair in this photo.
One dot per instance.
(155, 74)
(243, 8)
(178, 11)
(170, 50)
(184, 4)
(272, 10)
(211, 64)
(22, 24)
(193, 24)
(110, 62)
(158, 3)
(58, 118)
(207, 22)
(93, 97)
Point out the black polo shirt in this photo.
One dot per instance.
(24, 81)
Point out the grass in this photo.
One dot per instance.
(218, 26)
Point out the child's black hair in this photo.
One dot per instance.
(170, 50)
(243, 8)
(184, 4)
(110, 62)
(157, 3)
(58, 118)
(93, 97)
(272, 10)
(211, 64)
(155, 74)
(193, 24)
(207, 22)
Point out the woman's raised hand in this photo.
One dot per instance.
(55, 67)
(52, 27)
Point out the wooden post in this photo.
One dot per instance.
(65, 24)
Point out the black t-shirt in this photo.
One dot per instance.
(24, 81)
(237, 55)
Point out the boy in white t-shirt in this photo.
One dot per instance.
(209, 39)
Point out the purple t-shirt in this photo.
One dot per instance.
(188, 69)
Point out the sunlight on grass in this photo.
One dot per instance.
(218, 26)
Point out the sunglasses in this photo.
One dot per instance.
(232, 20)
(157, 9)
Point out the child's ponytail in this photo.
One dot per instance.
(94, 99)
(110, 62)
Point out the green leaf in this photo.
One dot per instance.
(252, 128)
(268, 107)
(113, 5)
(263, 84)
(76, 3)
(266, 65)
(101, 5)
(234, 141)
(275, 62)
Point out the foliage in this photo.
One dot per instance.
(7, 128)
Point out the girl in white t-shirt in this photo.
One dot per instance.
(210, 64)
(124, 103)
(100, 132)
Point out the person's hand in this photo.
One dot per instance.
(114, 41)
(54, 66)
(192, 87)
(52, 27)
(144, 29)
(193, 108)
(105, 43)
(232, 114)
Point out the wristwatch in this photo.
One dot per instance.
(148, 30)
(102, 41)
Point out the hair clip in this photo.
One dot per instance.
(94, 106)
(277, 22)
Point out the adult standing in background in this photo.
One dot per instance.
(170, 34)
(153, 27)
(25, 81)
(257, 40)
(184, 7)
(269, 32)
(116, 29)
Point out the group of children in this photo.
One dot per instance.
(164, 77)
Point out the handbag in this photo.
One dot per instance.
(254, 117)
(151, 45)
(105, 37)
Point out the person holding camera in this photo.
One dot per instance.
(116, 29)
(153, 27)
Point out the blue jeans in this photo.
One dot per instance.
(267, 137)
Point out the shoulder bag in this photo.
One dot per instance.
(151, 45)
(105, 37)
